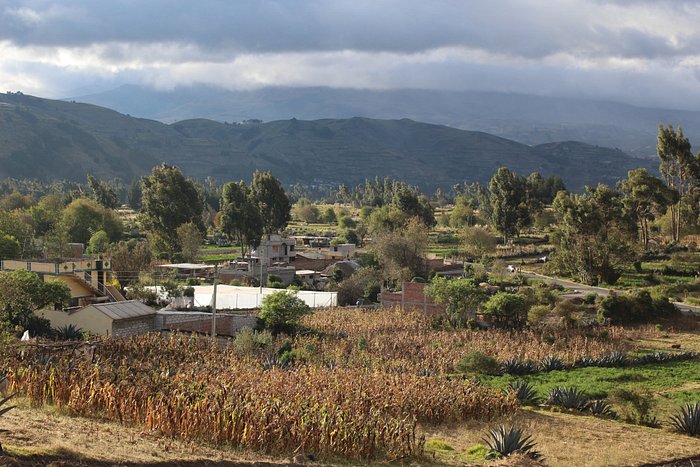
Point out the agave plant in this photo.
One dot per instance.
(551, 363)
(688, 420)
(513, 366)
(504, 441)
(613, 359)
(69, 332)
(568, 398)
(601, 408)
(524, 392)
(584, 362)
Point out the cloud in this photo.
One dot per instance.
(617, 49)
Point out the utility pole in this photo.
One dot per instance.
(213, 304)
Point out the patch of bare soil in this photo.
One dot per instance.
(578, 440)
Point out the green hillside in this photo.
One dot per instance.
(45, 139)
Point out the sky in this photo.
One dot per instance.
(643, 52)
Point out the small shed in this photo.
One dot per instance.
(118, 319)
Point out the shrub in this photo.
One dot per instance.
(524, 392)
(478, 363)
(281, 311)
(688, 420)
(507, 309)
(634, 308)
(537, 314)
(504, 441)
(248, 341)
(568, 398)
(636, 406)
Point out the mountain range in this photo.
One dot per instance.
(49, 139)
(528, 119)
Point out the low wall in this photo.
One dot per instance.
(411, 298)
(227, 324)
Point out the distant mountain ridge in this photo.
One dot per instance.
(50, 139)
(528, 119)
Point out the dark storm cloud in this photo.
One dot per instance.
(220, 30)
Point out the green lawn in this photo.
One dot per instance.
(671, 383)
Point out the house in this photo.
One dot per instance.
(274, 250)
(118, 319)
(308, 276)
(89, 279)
(345, 250)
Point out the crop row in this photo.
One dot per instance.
(187, 388)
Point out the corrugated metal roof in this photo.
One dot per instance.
(124, 310)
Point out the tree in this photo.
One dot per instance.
(190, 239)
(102, 193)
(46, 214)
(9, 247)
(282, 311)
(462, 214)
(99, 243)
(593, 235)
(128, 259)
(272, 202)
(329, 216)
(240, 217)
(509, 203)
(461, 298)
(15, 200)
(23, 292)
(408, 201)
(679, 169)
(306, 211)
(360, 286)
(401, 254)
(645, 197)
(83, 217)
(477, 242)
(507, 309)
(18, 224)
(168, 201)
(134, 195)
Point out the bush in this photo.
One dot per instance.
(281, 311)
(688, 420)
(636, 406)
(634, 308)
(478, 363)
(249, 342)
(537, 314)
(507, 309)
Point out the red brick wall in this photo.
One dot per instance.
(413, 299)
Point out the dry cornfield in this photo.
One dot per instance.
(185, 387)
(364, 382)
(398, 341)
